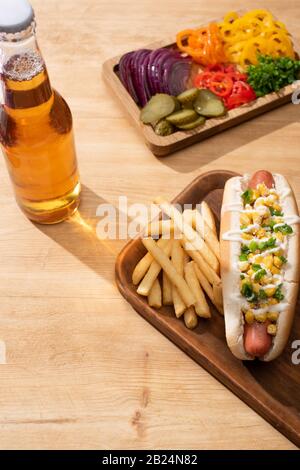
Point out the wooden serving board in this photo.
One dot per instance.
(162, 146)
(271, 389)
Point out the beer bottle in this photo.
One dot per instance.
(36, 132)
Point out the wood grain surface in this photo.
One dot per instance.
(83, 369)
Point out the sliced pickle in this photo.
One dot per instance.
(164, 128)
(209, 105)
(159, 106)
(185, 116)
(177, 104)
(188, 97)
(192, 125)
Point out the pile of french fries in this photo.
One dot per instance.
(187, 251)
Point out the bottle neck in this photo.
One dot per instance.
(24, 78)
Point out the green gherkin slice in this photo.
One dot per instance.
(208, 104)
(188, 96)
(164, 128)
(182, 117)
(192, 125)
(157, 108)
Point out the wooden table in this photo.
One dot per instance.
(83, 369)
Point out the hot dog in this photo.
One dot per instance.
(260, 248)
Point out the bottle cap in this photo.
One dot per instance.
(15, 16)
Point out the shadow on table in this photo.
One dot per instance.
(78, 235)
(203, 153)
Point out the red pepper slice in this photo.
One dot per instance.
(230, 69)
(221, 84)
(242, 93)
(237, 76)
(203, 80)
(227, 83)
(243, 89)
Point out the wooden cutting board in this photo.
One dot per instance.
(271, 389)
(162, 146)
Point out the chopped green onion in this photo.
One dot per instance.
(256, 267)
(285, 229)
(247, 196)
(275, 212)
(247, 291)
(253, 246)
(278, 294)
(245, 249)
(271, 243)
(262, 295)
(260, 274)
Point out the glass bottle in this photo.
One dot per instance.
(36, 131)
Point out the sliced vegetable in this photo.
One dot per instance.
(245, 249)
(271, 243)
(278, 294)
(254, 32)
(145, 73)
(180, 118)
(247, 196)
(227, 83)
(242, 93)
(253, 246)
(275, 212)
(177, 103)
(247, 291)
(164, 128)
(285, 229)
(260, 274)
(204, 45)
(221, 84)
(208, 104)
(192, 125)
(271, 74)
(159, 106)
(188, 96)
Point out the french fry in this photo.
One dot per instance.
(208, 216)
(144, 264)
(207, 287)
(159, 256)
(206, 232)
(218, 296)
(196, 242)
(201, 306)
(167, 290)
(190, 318)
(196, 220)
(160, 227)
(154, 297)
(153, 272)
(210, 274)
(177, 257)
(188, 216)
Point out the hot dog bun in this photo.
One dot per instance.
(230, 251)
